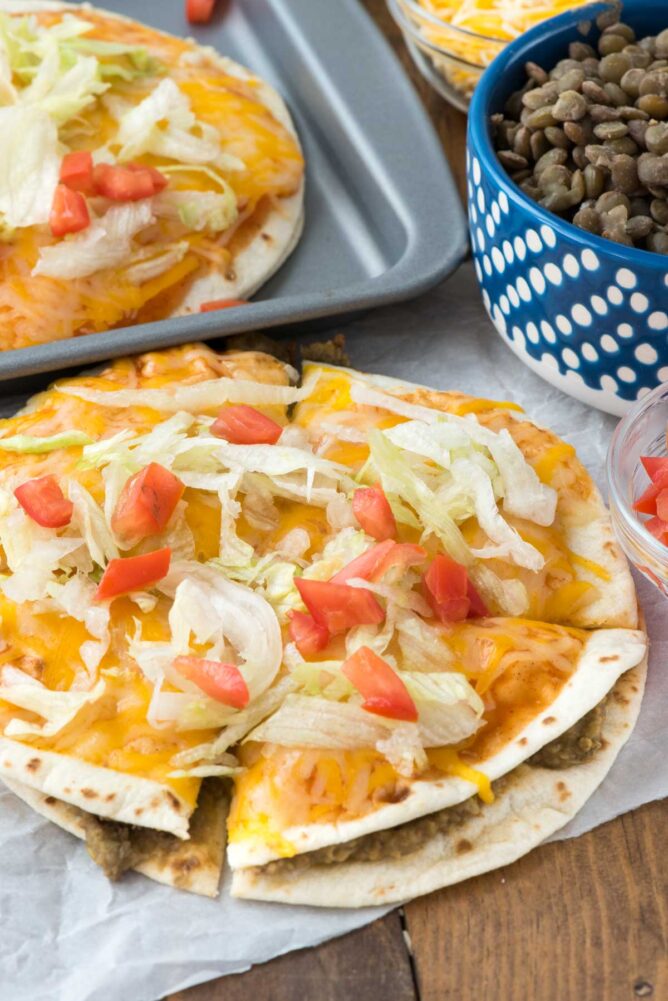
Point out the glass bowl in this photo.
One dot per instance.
(641, 432)
(450, 58)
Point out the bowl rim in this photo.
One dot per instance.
(617, 494)
(440, 22)
(480, 144)
(408, 28)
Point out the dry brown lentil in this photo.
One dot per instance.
(588, 138)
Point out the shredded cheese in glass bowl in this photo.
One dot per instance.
(453, 41)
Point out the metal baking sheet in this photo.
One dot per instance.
(383, 217)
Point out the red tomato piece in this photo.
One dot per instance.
(372, 510)
(69, 212)
(658, 528)
(125, 184)
(662, 504)
(366, 565)
(244, 425)
(478, 608)
(199, 11)
(646, 503)
(338, 607)
(146, 503)
(446, 585)
(309, 636)
(44, 502)
(160, 182)
(654, 464)
(223, 682)
(214, 304)
(76, 171)
(133, 573)
(383, 691)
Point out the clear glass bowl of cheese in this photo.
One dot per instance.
(452, 42)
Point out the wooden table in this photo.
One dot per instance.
(581, 920)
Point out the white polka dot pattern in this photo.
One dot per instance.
(593, 318)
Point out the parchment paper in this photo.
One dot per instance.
(66, 934)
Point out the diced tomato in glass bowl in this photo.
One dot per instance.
(637, 471)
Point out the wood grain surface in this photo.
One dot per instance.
(579, 920)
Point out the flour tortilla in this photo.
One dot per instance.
(279, 234)
(607, 655)
(532, 804)
(588, 532)
(105, 792)
(194, 865)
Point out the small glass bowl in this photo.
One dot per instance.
(641, 432)
(450, 58)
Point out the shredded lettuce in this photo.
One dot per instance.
(34, 445)
(89, 518)
(200, 211)
(449, 709)
(106, 243)
(57, 709)
(165, 125)
(197, 398)
(29, 166)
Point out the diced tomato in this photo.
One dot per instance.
(223, 682)
(76, 171)
(129, 183)
(69, 212)
(244, 425)
(646, 503)
(338, 607)
(366, 565)
(44, 502)
(658, 528)
(160, 182)
(309, 636)
(373, 512)
(376, 561)
(446, 585)
(199, 11)
(146, 503)
(477, 608)
(662, 504)
(133, 573)
(654, 464)
(214, 304)
(383, 691)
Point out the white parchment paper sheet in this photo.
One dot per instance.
(68, 935)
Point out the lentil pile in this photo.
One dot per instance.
(588, 139)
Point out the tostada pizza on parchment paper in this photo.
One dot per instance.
(381, 633)
(142, 176)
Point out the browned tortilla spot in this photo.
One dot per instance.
(463, 846)
(33, 764)
(230, 275)
(50, 800)
(138, 811)
(173, 801)
(561, 786)
(549, 719)
(186, 865)
(89, 793)
(266, 237)
(610, 659)
(110, 797)
(522, 741)
(155, 803)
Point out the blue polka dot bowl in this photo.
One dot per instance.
(588, 315)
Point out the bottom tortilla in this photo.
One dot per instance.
(531, 804)
(195, 864)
